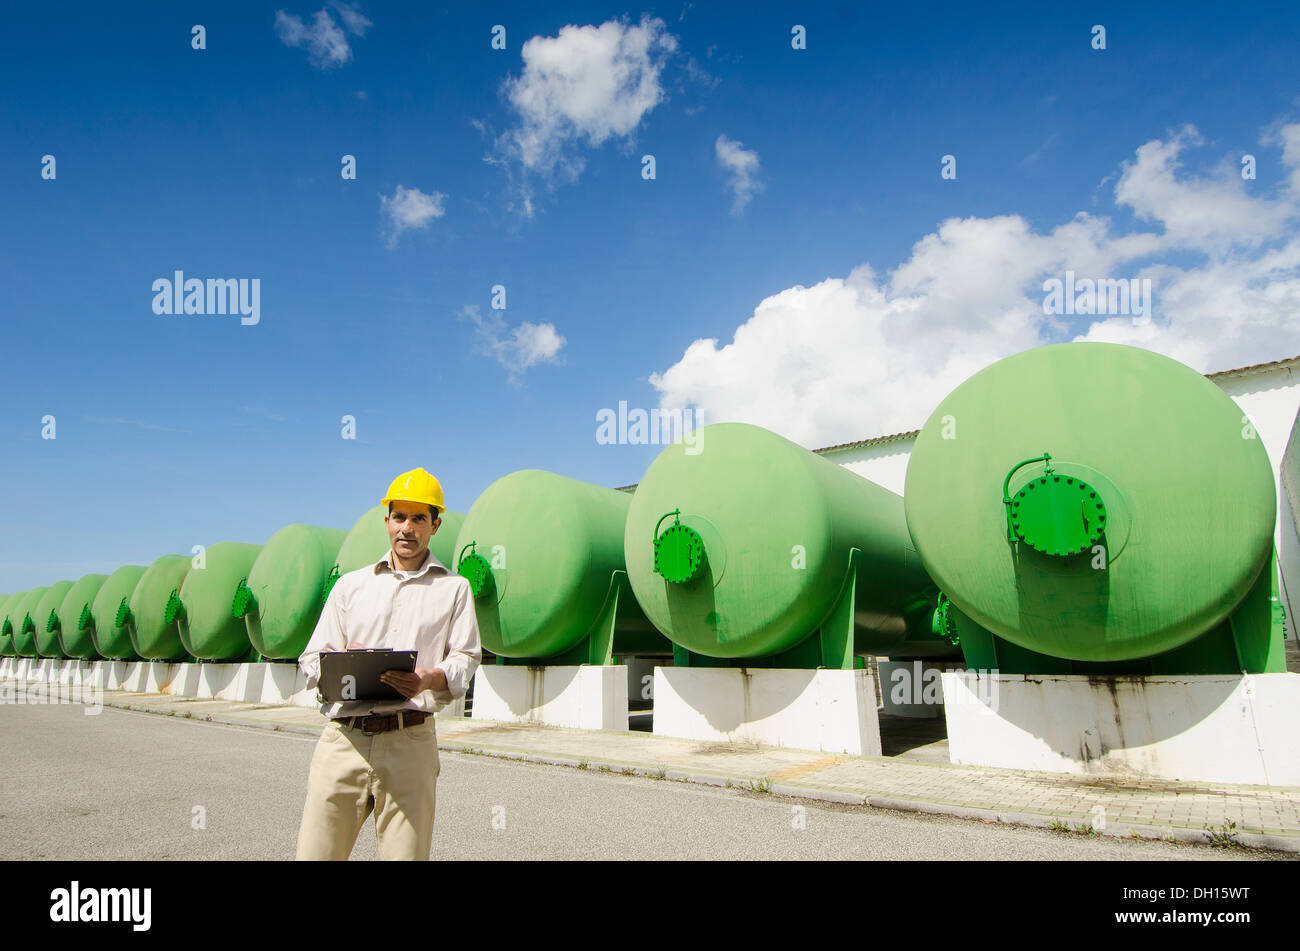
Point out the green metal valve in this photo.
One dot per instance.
(329, 583)
(945, 625)
(679, 554)
(243, 602)
(86, 619)
(52, 624)
(123, 614)
(1055, 514)
(174, 608)
(477, 569)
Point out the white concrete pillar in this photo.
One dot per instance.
(587, 697)
(830, 710)
(1230, 729)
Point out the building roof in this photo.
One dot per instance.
(1284, 364)
(875, 441)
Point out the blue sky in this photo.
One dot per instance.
(224, 162)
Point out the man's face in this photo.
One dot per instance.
(410, 527)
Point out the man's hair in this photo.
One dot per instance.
(433, 510)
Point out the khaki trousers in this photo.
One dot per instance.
(395, 774)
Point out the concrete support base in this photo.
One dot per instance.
(111, 674)
(151, 677)
(270, 683)
(830, 710)
(585, 698)
(184, 681)
(1227, 729)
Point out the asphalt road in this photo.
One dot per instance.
(125, 785)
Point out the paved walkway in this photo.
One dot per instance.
(1264, 816)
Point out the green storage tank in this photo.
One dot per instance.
(23, 623)
(443, 544)
(153, 636)
(202, 607)
(281, 599)
(1096, 508)
(746, 546)
(111, 609)
(7, 623)
(544, 557)
(45, 619)
(367, 542)
(74, 619)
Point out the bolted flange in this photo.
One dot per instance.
(944, 623)
(679, 554)
(243, 601)
(173, 609)
(477, 570)
(1058, 515)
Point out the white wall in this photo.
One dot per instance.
(1271, 399)
(884, 465)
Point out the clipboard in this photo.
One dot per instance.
(364, 668)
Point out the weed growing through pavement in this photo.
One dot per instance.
(1224, 836)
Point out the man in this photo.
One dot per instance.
(383, 755)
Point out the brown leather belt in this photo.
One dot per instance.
(383, 722)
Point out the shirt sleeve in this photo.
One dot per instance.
(329, 634)
(464, 652)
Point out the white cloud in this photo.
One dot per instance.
(515, 348)
(326, 42)
(1196, 213)
(741, 165)
(352, 17)
(582, 87)
(862, 355)
(409, 209)
(1287, 136)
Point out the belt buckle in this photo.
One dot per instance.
(366, 731)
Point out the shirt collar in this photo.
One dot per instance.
(430, 562)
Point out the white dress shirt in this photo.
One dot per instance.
(429, 610)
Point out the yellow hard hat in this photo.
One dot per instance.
(415, 486)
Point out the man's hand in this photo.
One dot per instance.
(410, 685)
(354, 646)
